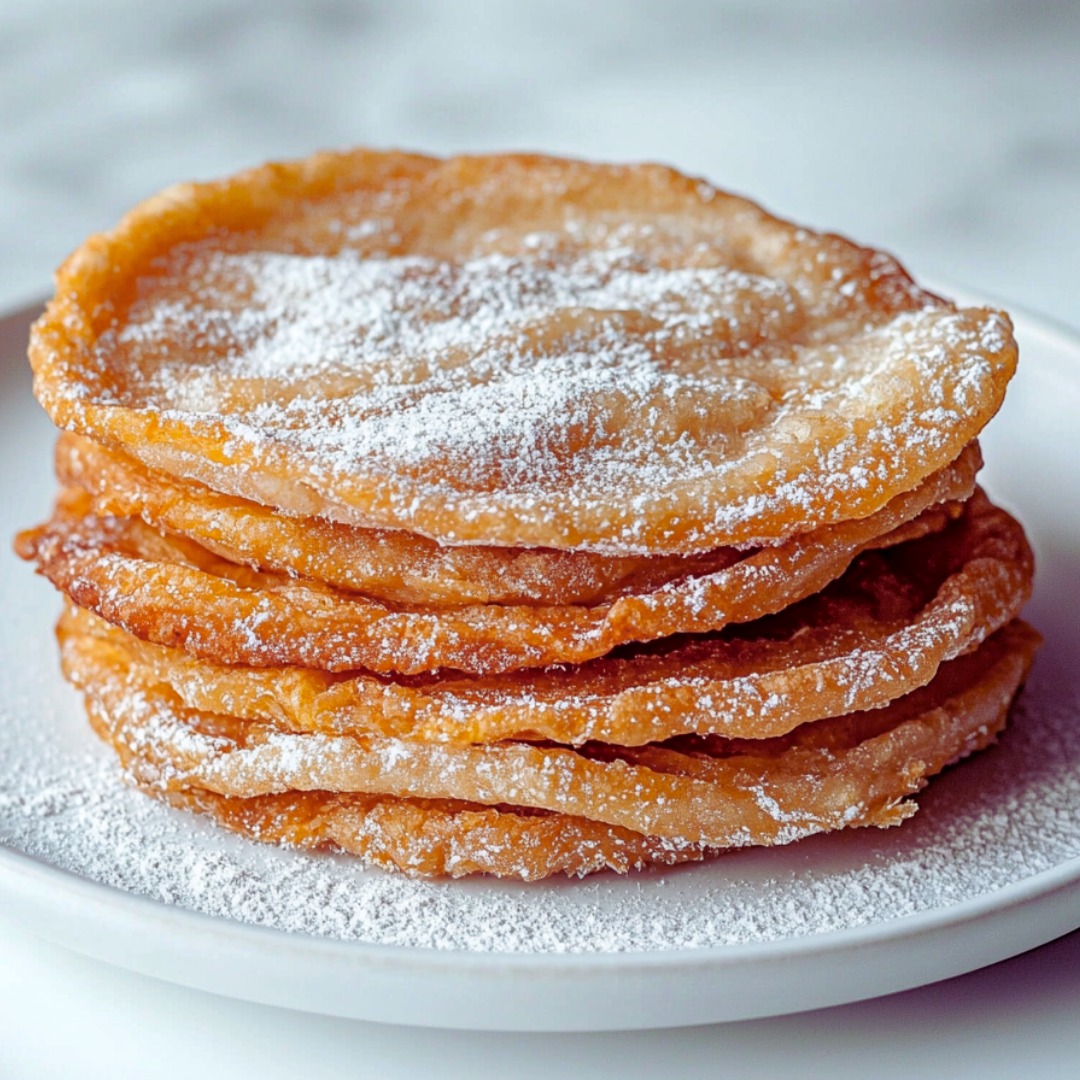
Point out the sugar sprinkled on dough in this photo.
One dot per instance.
(1001, 818)
(549, 388)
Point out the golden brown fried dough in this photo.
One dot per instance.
(438, 838)
(173, 592)
(846, 772)
(514, 351)
(879, 632)
(522, 516)
(394, 566)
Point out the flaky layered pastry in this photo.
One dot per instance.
(617, 806)
(515, 515)
(880, 631)
(172, 591)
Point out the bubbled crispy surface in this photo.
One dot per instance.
(879, 632)
(389, 565)
(514, 351)
(171, 591)
(438, 838)
(851, 771)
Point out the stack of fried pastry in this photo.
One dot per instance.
(515, 515)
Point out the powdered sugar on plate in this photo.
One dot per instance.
(997, 819)
(993, 821)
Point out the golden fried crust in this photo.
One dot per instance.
(516, 515)
(394, 566)
(438, 838)
(514, 351)
(878, 633)
(850, 771)
(172, 592)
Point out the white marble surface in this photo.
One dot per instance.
(948, 132)
(945, 130)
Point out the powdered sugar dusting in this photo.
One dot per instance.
(512, 366)
(596, 398)
(1008, 814)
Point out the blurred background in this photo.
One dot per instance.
(947, 131)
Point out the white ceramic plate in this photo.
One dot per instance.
(990, 866)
